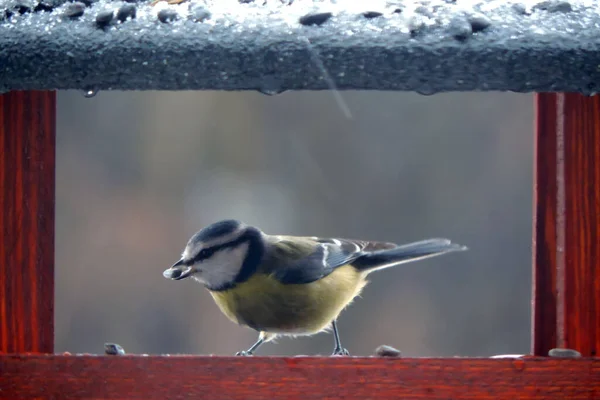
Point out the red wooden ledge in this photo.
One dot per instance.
(162, 377)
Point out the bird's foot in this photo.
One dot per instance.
(243, 353)
(340, 351)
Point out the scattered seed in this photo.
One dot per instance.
(554, 6)
(315, 18)
(460, 28)
(74, 10)
(166, 15)
(387, 351)
(372, 14)
(479, 22)
(126, 11)
(199, 13)
(104, 18)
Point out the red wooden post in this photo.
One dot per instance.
(27, 154)
(566, 242)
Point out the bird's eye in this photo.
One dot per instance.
(205, 253)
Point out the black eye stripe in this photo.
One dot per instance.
(209, 251)
(205, 253)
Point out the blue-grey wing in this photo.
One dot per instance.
(324, 256)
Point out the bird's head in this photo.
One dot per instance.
(219, 255)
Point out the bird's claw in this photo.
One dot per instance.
(243, 353)
(340, 351)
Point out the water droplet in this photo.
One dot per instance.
(90, 92)
(426, 90)
(270, 92)
(270, 85)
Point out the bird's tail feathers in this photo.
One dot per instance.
(406, 253)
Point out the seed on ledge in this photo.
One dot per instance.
(554, 6)
(479, 22)
(564, 353)
(43, 6)
(113, 349)
(126, 11)
(199, 13)
(387, 351)
(104, 18)
(74, 10)
(165, 15)
(520, 8)
(372, 14)
(316, 18)
(460, 28)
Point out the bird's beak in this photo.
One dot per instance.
(178, 271)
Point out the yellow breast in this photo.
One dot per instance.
(265, 304)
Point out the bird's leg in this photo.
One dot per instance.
(338, 349)
(252, 348)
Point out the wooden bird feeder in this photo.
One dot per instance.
(549, 49)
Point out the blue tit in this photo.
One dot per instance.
(288, 285)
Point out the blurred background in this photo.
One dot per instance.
(139, 173)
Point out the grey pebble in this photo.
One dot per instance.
(372, 14)
(554, 6)
(460, 28)
(19, 6)
(74, 10)
(315, 18)
(126, 11)
(199, 13)
(520, 8)
(424, 11)
(43, 6)
(387, 351)
(479, 22)
(416, 24)
(104, 18)
(165, 15)
(564, 353)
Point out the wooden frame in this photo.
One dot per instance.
(566, 291)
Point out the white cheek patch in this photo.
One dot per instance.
(223, 267)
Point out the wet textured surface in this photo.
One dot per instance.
(424, 46)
